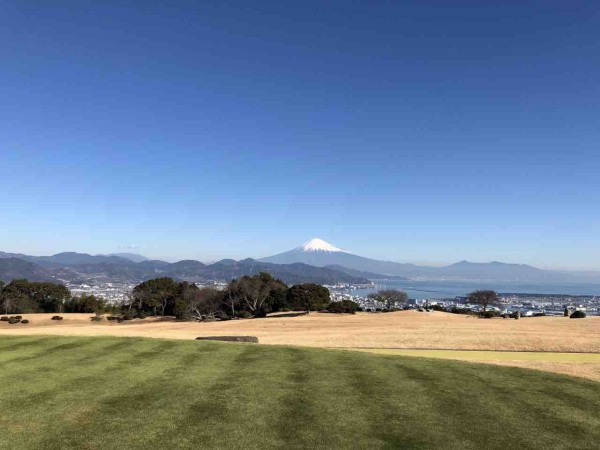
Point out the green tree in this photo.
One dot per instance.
(253, 293)
(311, 297)
(85, 304)
(158, 294)
(389, 297)
(23, 296)
(484, 298)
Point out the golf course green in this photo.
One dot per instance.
(101, 392)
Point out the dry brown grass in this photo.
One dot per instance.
(405, 329)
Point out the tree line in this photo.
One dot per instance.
(23, 296)
(248, 296)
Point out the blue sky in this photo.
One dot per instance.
(409, 131)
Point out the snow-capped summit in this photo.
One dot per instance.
(319, 245)
(319, 253)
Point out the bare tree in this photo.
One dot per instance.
(483, 298)
(201, 303)
(389, 297)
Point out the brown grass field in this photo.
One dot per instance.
(374, 332)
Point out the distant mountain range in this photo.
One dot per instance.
(84, 268)
(317, 252)
(315, 261)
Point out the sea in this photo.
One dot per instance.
(449, 289)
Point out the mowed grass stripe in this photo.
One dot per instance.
(71, 392)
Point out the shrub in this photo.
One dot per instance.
(13, 320)
(244, 315)
(111, 318)
(4, 318)
(18, 317)
(25, 321)
(56, 318)
(344, 306)
(578, 315)
(96, 318)
(489, 315)
(438, 308)
(221, 315)
(540, 314)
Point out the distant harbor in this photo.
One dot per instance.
(530, 299)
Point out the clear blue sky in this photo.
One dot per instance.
(409, 131)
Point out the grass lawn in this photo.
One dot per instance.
(81, 392)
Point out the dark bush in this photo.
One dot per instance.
(18, 317)
(13, 320)
(438, 308)
(96, 318)
(420, 310)
(578, 315)
(344, 306)
(540, 314)
(489, 315)
(244, 315)
(111, 318)
(56, 318)
(24, 321)
(4, 318)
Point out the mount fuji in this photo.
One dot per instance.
(317, 252)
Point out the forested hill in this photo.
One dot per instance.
(82, 268)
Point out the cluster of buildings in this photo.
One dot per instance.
(527, 304)
(112, 292)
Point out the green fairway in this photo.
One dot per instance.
(63, 392)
